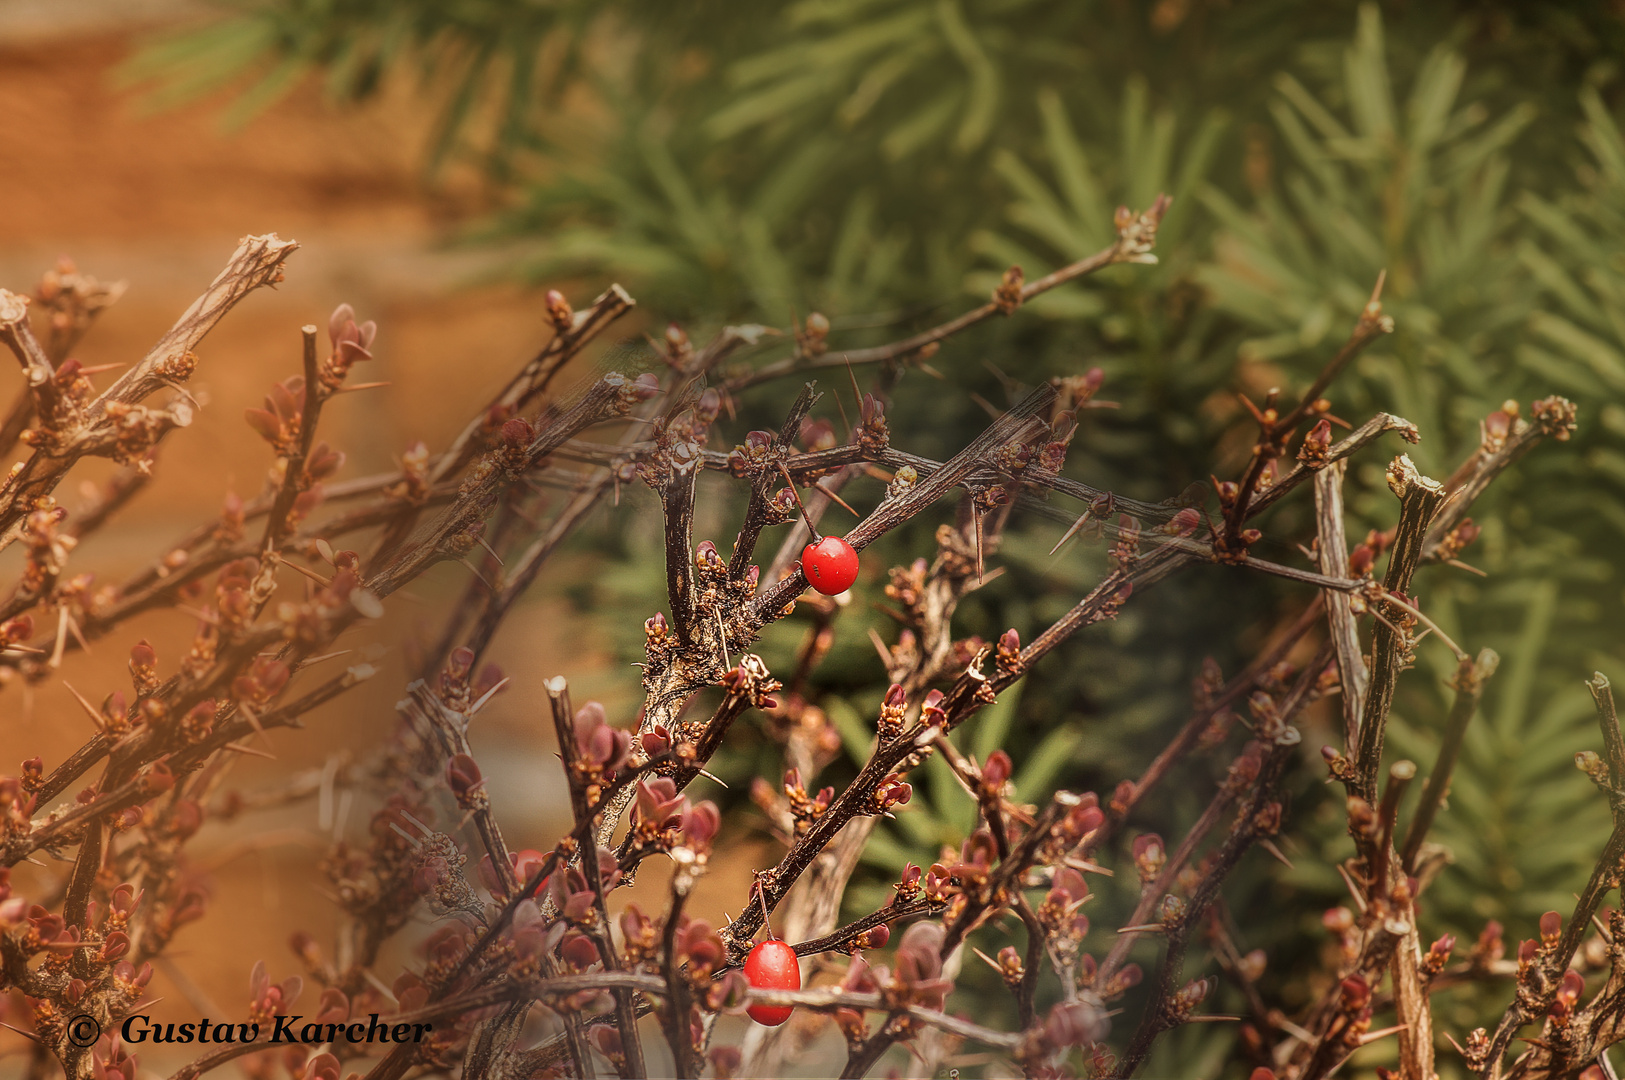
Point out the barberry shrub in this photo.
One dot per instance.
(524, 936)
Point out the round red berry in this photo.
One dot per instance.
(831, 565)
(772, 965)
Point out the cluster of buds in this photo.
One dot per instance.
(466, 782)
(16, 808)
(1339, 766)
(460, 690)
(1556, 416)
(1081, 819)
(131, 431)
(994, 778)
(932, 714)
(1353, 1012)
(804, 808)
(1074, 392)
(936, 885)
(1126, 551)
(872, 434)
(1567, 997)
(572, 894)
(889, 725)
(680, 440)
(71, 300)
(1007, 295)
(1182, 523)
(351, 343)
(892, 791)
(812, 336)
(1137, 233)
(267, 999)
(758, 454)
(1437, 956)
(1185, 1000)
(438, 876)
(1317, 445)
(750, 679)
(1365, 554)
(599, 751)
(1456, 540)
(902, 481)
(413, 487)
(513, 442)
(48, 546)
(280, 421)
(907, 587)
(1060, 913)
(1150, 854)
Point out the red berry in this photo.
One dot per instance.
(772, 965)
(831, 565)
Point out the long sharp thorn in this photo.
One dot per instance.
(61, 637)
(1372, 1036)
(254, 722)
(977, 519)
(311, 574)
(880, 647)
(90, 710)
(1269, 846)
(714, 778)
(476, 572)
(1429, 623)
(1070, 533)
(987, 406)
(1353, 891)
(492, 550)
(241, 749)
(796, 495)
(722, 640)
(819, 484)
(474, 709)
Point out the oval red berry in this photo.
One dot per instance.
(772, 965)
(831, 565)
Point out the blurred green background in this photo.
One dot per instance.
(882, 161)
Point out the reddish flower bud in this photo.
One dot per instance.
(463, 776)
(518, 433)
(1356, 993)
(157, 779)
(1149, 856)
(558, 310)
(997, 770)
